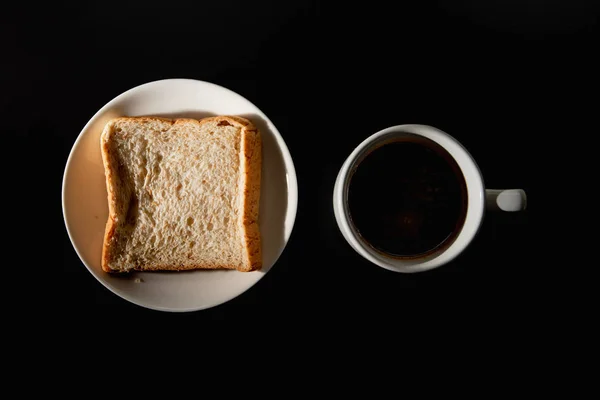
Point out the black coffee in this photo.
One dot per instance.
(408, 197)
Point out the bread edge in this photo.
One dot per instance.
(250, 161)
(111, 224)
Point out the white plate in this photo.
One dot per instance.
(85, 208)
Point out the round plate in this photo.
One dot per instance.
(85, 207)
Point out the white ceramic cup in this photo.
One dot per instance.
(479, 199)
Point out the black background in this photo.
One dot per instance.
(503, 77)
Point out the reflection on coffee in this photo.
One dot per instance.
(408, 197)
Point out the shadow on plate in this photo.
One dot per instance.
(195, 114)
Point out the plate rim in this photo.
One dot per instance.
(292, 185)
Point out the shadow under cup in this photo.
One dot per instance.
(409, 200)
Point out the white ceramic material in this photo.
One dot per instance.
(478, 197)
(85, 209)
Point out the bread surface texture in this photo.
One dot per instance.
(183, 194)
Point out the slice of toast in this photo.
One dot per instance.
(182, 194)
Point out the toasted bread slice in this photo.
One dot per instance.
(182, 194)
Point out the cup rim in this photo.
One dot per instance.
(475, 194)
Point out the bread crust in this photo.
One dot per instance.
(251, 160)
(250, 163)
(111, 223)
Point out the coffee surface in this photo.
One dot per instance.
(407, 198)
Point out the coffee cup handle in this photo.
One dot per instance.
(506, 200)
